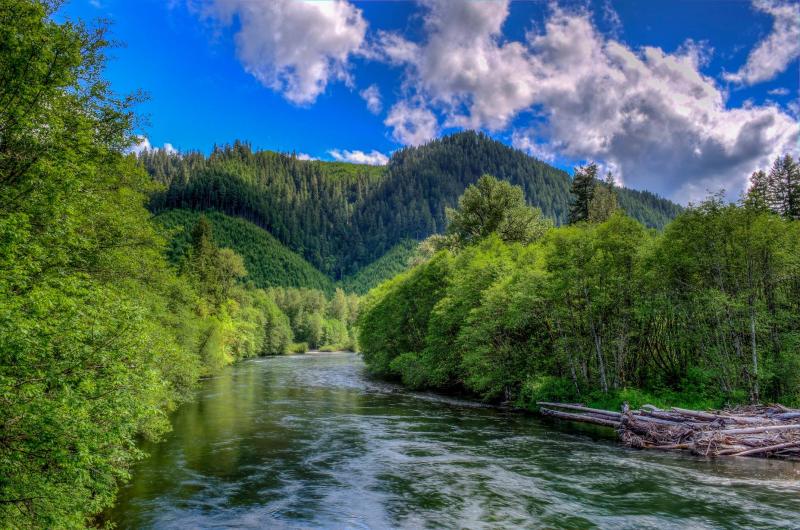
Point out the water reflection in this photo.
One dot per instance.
(309, 442)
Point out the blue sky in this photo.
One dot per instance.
(680, 97)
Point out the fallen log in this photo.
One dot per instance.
(787, 416)
(584, 418)
(768, 448)
(757, 430)
(719, 417)
(569, 406)
(768, 431)
(696, 414)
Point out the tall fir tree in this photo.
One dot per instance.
(583, 185)
(758, 195)
(785, 177)
(604, 200)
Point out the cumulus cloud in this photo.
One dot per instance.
(304, 156)
(373, 158)
(372, 95)
(773, 54)
(143, 144)
(779, 92)
(294, 47)
(412, 123)
(651, 114)
(463, 67)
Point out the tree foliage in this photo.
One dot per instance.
(583, 185)
(778, 190)
(395, 261)
(100, 337)
(701, 314)
(493, 206)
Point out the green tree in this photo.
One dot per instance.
(90, 354)
(494, 206)
(758, 195)
(784, 178)
(583, 187)
(604, 201)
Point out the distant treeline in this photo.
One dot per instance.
(604, 310)
(342, 217)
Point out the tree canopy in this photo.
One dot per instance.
(606, 311)
(493, 206)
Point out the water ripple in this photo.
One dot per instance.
(311, 442)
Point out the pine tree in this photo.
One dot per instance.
(604, 200)
(789, 187)
(583, 186)
(784, 187)
(758, 196)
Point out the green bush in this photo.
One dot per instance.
(298, 347)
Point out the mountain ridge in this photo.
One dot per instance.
(342, 217)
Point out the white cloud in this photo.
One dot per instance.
(412, 123)
(294, 47)
(373, 158)
(464, 67)
(304, 156)
(772, 55)
(779, 92)
(651, 114)
(144, 144)
(372, 95)
(524, 141)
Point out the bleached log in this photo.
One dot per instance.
(761, 431)
(580, 408)
(767, 449)
(756, 430)
(584, 418)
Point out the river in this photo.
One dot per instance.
(308, 441)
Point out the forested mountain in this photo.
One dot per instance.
(269, 263)
(342, 217)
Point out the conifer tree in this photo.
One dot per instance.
(758, 196)
(583, 187)
(604, 201)
(785, 183)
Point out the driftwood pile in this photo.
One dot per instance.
(763, 431)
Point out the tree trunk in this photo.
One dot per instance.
(597, 345)
(755, 392)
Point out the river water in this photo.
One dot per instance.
(309, 441)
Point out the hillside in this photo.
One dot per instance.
(342, 217)
(395, 261)
(269, 263)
